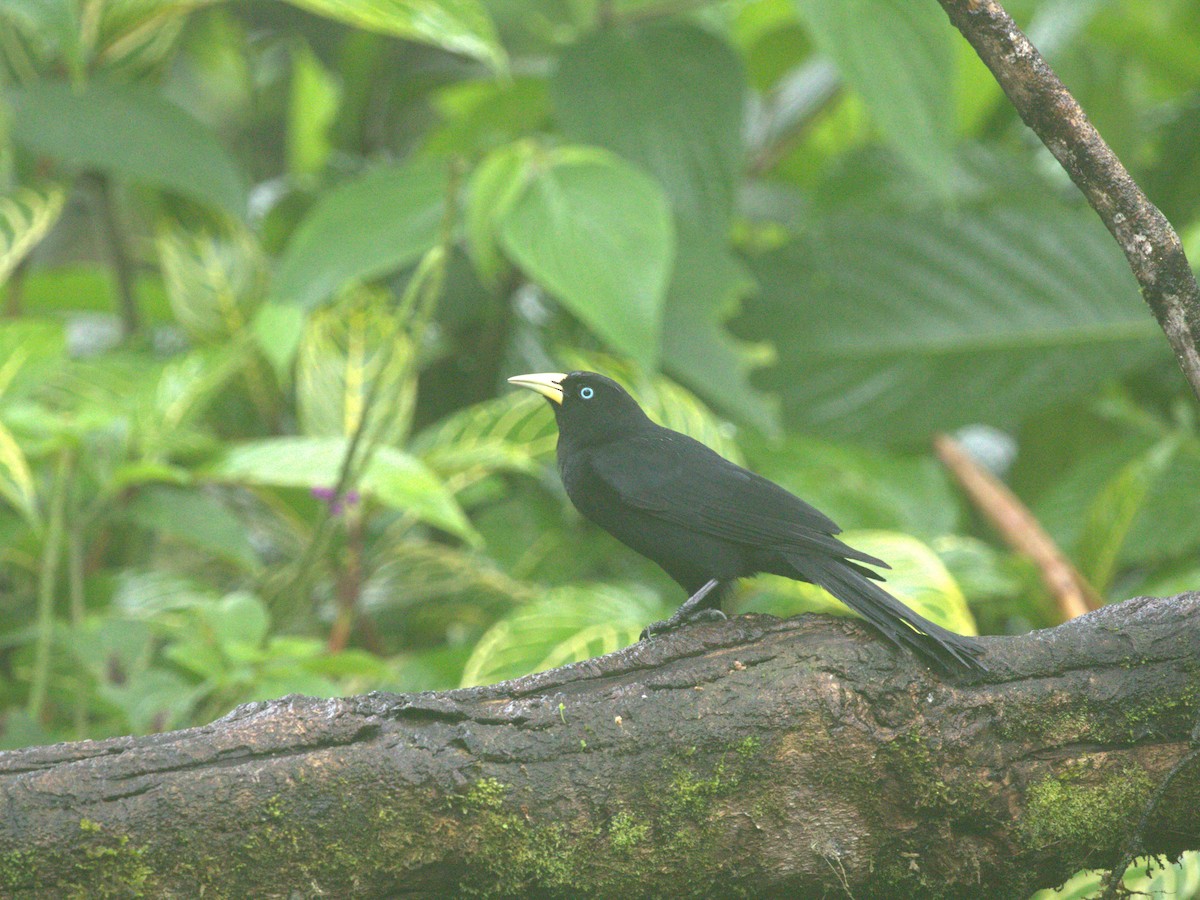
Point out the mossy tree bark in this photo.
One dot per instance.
(803, 757)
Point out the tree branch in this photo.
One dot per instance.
(1150, 244)
(802, 757)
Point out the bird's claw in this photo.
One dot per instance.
(678, 621)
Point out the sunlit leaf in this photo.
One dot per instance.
(461, 26)
(917, 577)
(568, 624)
(352, 353)
(26, 216)
(214, 280)
(508, 433)
(394, 478)
(16, 479)
(312, 109)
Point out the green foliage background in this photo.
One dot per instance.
(266, 267)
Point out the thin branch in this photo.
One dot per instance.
(1020, 530)
(1151, 245)
(119, 257)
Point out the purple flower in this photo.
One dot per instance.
(329, 496)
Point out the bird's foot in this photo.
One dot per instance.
(678, 621)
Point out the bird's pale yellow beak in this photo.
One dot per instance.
(548, 384)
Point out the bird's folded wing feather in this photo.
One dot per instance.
(675, 478)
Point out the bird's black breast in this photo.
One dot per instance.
(688, 556)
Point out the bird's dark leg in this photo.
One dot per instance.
(689, 612)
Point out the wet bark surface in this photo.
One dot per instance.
(747, 757)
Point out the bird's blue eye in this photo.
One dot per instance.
(586, 393)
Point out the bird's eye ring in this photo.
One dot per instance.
(586, 393)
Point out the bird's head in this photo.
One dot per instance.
(590, 408)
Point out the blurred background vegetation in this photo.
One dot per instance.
(266, 266)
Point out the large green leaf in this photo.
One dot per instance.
(598, 234)
(394, 478)
(706, 287)
(899, 57)
(370, 226)
(131, 131)
(891, 326)
(635, 93)
(461, 26)
(568, 624)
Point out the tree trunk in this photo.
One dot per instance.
(803, 757)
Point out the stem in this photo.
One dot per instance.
(14, 301)
(419, 301)
(118, 254)
(75, 591)
(51, 551)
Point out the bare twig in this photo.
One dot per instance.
(1019, 528)
(1151, 245)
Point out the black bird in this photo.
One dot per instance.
(709, 522)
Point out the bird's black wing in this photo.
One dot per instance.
(680, 480)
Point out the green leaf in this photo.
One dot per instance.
(460, 26)
(31, 350)
(597, 234)
(1112, 514)
(899, 57)
(635, 93)
(917, 578)
(153, 700)
(892, 326)
(312, 110)
(214, 280)
(346, 349)
(26, 216)
(495, 185)
(568, 624)
(278, 328)
(239, 622)
(194, 518)
(111, 127)
(394, 478)
(368, 227)
(16, 479)
(510, 433)
(706, 286)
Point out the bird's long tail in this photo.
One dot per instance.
(898, 623)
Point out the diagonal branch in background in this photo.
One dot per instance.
(1151, 245)
(1020, 529)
